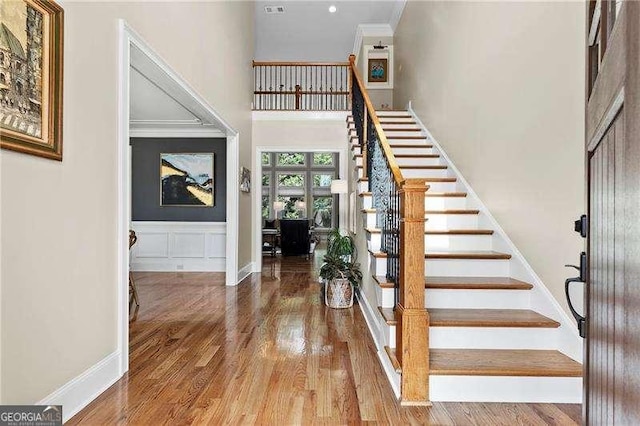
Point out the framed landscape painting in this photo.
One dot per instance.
(31, 34)
(186, 179)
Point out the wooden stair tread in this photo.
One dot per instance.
(457, 254)
(400, 129)
(502, 362)
(443, 231)
(519, 318)
(466, 283)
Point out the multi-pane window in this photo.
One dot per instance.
(302, 183)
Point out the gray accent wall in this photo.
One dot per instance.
(145, 191)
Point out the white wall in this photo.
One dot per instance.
(501, 87)
(59, 275)
(303, 131)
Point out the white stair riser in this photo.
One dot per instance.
(384, 297)
(465, 299)
(401, 141)
(412, 161)
(417, 173)
(433, 186)
(442, 242)
(397, 133)
(486, 338)
(477, 299)
(492, 338)
(506, 389)
(404, 125)
(437, 221)
(468, 267)
(404, 150)
(451, 221)
(385, 113)
(385, 120)
(454, 267)
(430, 203)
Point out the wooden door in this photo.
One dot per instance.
(612, 345)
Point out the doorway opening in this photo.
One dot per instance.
(139, 61)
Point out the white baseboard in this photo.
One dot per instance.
(245, 271)
(370, 319)
(84, 388)
(179, 265)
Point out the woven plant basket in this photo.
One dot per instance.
(339, 294)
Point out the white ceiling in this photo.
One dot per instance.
(306, 31)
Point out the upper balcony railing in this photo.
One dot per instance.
(301, 86)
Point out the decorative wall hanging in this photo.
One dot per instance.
(245, 179)
(378, 72)
(31, 62)
(187, 179)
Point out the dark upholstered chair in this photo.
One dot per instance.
(294, 237)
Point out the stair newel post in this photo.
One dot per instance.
(412, 329)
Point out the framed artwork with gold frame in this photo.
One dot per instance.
(31, 64)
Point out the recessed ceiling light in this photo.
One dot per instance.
(332, 9)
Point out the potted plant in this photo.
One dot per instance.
(340, 271)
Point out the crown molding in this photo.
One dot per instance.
(396, 14)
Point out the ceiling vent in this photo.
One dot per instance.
(274, 9)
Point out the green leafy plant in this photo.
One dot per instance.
(341, 259)
(335, 267)
(341, 245)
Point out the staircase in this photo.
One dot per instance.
(495, 334)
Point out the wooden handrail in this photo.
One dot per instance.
(299, 64)
(412, 327)
(388, 153)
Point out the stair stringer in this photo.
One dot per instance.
(541, 299)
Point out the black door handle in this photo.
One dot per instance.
(582, 269)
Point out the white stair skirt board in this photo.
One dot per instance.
(378, 332)
(442, 242)
(454, 267)
(567, 390)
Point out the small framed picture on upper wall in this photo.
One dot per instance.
(378, 70)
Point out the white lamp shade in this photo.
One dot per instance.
(300, 205)
(278, 205)
(339, 186)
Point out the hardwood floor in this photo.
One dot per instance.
(267, 352)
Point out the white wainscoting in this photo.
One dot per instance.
(179, 246)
